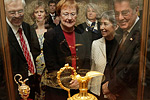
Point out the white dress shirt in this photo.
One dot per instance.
(53, 16)
(15, 31)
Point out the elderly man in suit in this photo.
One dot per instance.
(23, 44)
(122, 70)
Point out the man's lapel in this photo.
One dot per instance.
(122, 51)
(128, 42)
(13, 41)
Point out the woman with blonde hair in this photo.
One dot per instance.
(39, 15)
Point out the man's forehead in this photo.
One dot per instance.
(52, 4)
(14, 5)
(122, 5)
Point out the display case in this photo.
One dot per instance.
(104, 5)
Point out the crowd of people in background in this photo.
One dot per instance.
(107, 42)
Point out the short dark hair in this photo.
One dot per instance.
(52, 1)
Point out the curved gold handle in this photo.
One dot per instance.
(24, 90)
(18, 79)
(59, 73)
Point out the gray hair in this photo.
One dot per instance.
(95, 7)
(8, 1)
(133, 3)
(109, 15)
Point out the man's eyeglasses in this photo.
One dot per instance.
(124, 13)
(13, 13)
(67, 14)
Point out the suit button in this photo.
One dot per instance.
(27, 66)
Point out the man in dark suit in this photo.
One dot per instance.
(52, 14)
(23, 44)
(122, 70)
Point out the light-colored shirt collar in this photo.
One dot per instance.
(14, 28)
(52, 14)
(89, 22)
(129, 30)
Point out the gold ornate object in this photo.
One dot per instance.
(24, 90)
(83, 83)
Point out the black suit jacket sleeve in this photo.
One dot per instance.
(35, 46)
(128, 76)
(50, 50)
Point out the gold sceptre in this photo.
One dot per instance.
(24, 90)
(83, 83)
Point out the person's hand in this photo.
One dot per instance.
(110, 96)
(107, 93)
(74, 84)
(105, 88)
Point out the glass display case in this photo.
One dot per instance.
(103, 5)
